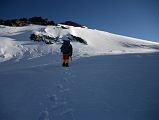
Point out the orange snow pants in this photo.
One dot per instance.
(65, 58)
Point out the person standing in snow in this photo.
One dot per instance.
(66, 50)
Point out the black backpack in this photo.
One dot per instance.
(66, 48)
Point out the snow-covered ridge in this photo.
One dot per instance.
(15, 42)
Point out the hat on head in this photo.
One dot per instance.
(65, 38)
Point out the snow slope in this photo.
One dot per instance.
(104, 81)
(15, 42)
(112, 87)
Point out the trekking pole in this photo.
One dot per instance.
(71, 58)
(61, 57)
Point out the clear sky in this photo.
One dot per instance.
(134, 18)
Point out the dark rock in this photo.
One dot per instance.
(72, 24)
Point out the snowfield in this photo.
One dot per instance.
(16, 44)
(112, 78)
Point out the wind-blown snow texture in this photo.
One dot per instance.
(101, 83)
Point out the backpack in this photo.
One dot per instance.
(66, 48)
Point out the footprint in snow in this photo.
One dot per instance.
(44, 115)
(53, 98)
(68, 114)
(59, 86)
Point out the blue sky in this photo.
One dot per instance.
(134, 18)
